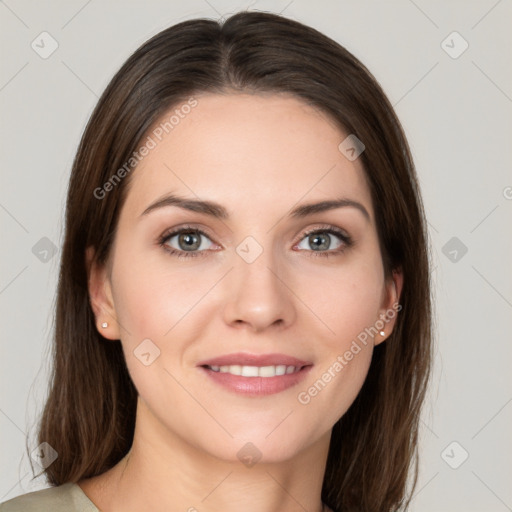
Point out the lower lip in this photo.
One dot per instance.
(257, 386)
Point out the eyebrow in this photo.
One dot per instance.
(218, 211)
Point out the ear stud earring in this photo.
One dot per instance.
(382, 333)
(104, 325)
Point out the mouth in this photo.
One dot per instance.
(256, 375)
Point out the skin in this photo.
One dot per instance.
(259, 156)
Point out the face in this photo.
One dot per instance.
(217, 291)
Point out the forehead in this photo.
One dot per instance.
(244, 150)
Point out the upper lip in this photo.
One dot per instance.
(245, 359)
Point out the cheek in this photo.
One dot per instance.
(348, 302)
(152, 306)
(346, 299)
(169, 307)
(335, 386)
(151, 298)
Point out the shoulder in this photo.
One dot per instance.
(63, 498)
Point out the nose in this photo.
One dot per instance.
(258, 297)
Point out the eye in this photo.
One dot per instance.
(186, 242)
(325, 242)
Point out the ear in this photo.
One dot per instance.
(100, 296)
(390, 305)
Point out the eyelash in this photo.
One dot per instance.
(346, 239)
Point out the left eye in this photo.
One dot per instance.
(322, 241)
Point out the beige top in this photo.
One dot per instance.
(63, 498)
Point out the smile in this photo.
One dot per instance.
(256, 371)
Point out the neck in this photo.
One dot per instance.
(163, 472)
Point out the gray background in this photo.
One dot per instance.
(457, 113)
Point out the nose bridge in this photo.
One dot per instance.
(256, 294)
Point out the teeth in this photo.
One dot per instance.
(281, 369)
(248, 371)
(255, 371)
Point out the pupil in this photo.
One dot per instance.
(319, 241)
(189, 241)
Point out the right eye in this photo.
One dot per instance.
(185, 242)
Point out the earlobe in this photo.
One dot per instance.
(100, 297)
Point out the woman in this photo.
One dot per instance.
(243, 316)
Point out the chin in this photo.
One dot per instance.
(257, 446)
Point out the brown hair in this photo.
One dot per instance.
(89, 415)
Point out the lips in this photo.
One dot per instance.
(256, 375)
